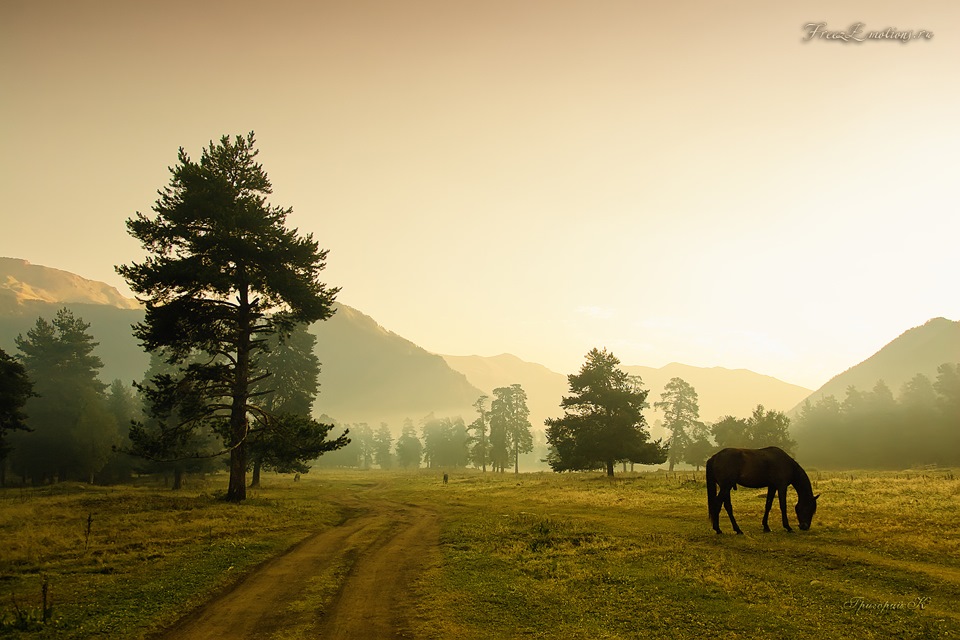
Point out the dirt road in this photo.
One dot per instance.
(351, 581)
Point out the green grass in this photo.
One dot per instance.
(151, 553)
(539, 556)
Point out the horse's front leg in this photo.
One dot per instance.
(771, 491)
(782, 491)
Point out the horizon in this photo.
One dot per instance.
(694, 184)
(494, 356)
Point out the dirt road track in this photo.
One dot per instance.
(351, 581)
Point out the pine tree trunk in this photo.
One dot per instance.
(255, 480)
(610, 468)
(178, 478)
(237, 489)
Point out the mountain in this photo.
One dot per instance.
(369, 374)
(22, 282)
(543, 387)
(721, 391)
(918, 350)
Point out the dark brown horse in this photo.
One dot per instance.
(755, 468)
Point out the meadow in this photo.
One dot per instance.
(530, 556)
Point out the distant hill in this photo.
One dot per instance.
(918, 350)
(371, 374)
(368, 374)
(544, 387)
(721, 391)
(22, 282)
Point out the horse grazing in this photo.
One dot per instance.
(755, 468)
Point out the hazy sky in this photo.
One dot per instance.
(687, 181)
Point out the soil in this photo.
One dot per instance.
(373, 557)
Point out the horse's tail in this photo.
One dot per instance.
(711, 489)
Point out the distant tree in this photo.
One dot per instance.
(603, 420)
(731, 432)
(73, 434)
(363, 440)
(223, 272)
(124, 408)
(918, 392)
(510, 417)
(382, 445)
(181, 451)
(444, 442)
(680, 405)
(480, 442)
(947, 387)
(15, 389)
(762, 429)
(770, 429)
(288, 389)
(699, 447)
(409, 448)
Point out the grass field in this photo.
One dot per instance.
(534, 556)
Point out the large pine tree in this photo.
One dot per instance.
(603, 420)
(223, 272)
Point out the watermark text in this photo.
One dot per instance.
(857, 33)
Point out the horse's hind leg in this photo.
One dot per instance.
(729, 507)
(771, 491)
(782, 491)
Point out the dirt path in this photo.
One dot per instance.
(352, 581)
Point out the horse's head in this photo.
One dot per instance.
(805, 510)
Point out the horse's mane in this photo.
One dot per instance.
(801, 482)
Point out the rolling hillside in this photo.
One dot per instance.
(369, 374)
(918, 350)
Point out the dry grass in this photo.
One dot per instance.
(539, 556)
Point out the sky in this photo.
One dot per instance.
(709, 183)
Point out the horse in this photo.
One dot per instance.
(770, 467)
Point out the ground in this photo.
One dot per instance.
(380, 548)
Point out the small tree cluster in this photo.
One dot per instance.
(72, 421)
(762, 429)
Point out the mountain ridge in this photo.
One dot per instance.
(22, 281)
(918, 350)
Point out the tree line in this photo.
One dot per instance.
(499, 435)
(603, 423)
(875, 429)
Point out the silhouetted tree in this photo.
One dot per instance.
(409, 448)
(770, 429)
(731, 432)
(444, 442)
(73, 433)
(382, 446)
(479, 441)
(223, 272)
(680, 405)
(15, 389)
(510, 417)
(762, 429)
(603, 420)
